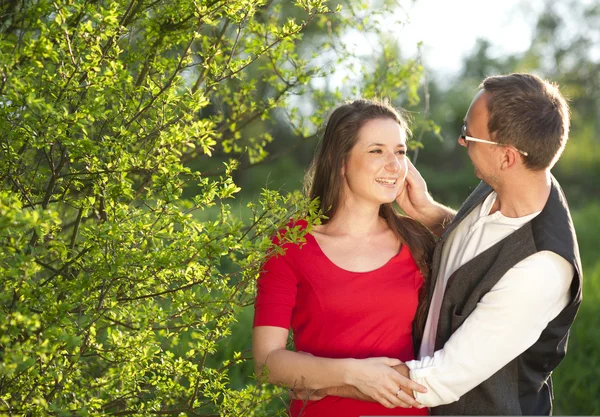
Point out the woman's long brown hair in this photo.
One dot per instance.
(324, 180)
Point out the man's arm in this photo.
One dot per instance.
(348, 391)
(415, 201)
(507, 321)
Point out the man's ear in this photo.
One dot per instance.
(510, 156)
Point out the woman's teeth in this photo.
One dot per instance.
(385, 181)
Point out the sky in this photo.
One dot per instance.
(449, 29)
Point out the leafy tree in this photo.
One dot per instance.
(122, 264)
(565, 49)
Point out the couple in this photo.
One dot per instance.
(488, 310)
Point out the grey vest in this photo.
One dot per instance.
(523, 386)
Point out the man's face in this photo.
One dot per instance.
(481, 154)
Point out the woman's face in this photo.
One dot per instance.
(376, 167)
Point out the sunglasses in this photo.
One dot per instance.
(466, 138)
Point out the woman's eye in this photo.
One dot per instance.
(400, 152)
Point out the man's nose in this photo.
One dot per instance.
(462, 142)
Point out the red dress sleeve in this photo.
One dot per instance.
(276, 293)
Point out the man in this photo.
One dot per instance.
(506, 276)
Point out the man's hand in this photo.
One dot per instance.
(404, 399)
(307, 394)
(415, 201)
(404, 396)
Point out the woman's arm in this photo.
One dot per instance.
(348, 391)
(374, 377)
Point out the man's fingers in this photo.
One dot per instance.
(413, 172)
(305, 395)
(299, 394)
(411, 166)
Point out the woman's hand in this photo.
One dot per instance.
(376, 378)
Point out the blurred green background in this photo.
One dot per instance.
(564, 49)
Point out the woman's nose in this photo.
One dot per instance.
(393, 165)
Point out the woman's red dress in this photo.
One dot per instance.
(335, 313)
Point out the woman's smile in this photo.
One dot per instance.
(387, 182)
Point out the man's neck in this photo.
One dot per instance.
(522, 194)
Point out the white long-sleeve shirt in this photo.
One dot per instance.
(507, 320)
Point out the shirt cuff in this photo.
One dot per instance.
(424, 372)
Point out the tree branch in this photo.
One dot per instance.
(76, 229)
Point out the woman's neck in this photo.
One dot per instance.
(356, 220)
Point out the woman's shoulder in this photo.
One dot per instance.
(291, 228)
(291, 238)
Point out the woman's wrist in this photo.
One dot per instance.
(349, 371)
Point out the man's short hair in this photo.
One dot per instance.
(529, 113)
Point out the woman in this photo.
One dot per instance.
(351, 292)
